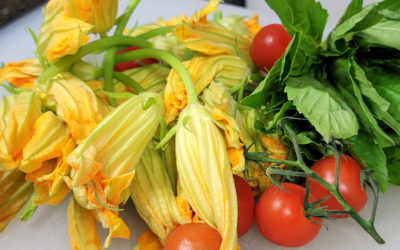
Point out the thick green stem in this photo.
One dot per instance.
(66, 62)
(108, 65)
(124, 18)
(167, 58)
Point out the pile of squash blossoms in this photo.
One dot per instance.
(169, 135)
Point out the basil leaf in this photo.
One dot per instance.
(393, 164)
(322, 106)
(371, 156)
(353, 8)
(385, 33)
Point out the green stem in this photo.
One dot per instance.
(124, 18)
(66, 62)
(129, 82)
(108, 65)
(167, 58)
(156, 32)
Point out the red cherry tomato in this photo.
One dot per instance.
(245, 205)
(268, 45)
(134, 63)
(349, 183)
(280, 216)
(193, 236)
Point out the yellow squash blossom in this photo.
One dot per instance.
(21, 74)
(19, 114)
(205, 173)
(222, 107)
(50, 134)
(78, 105)
(60, 34)
(82, 227)
(14, 192)
(103, 166)
(228, 70)
(100, 13)
(152, 193)
(252, 24)
(48, 181)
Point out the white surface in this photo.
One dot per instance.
(47, 230)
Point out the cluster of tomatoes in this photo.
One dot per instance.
(279, 214)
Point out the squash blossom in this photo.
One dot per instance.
(21, 74)
(222, 107)
(152, 193)
(14, 192)
(99, 13)
(77, 105)
(148, 241)
(82, 228)
(226, 69)
(60, 34)
(19, 114)
(103, 166)
(205, 173)
(48, 181)
(212, 39)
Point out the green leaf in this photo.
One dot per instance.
(386, 82)
(353, 8)
(385, 33)
(337, 40)
(393, 164)
(340, 73)
(272, 124)
(371, 156)
(306, 16)
(322, 106)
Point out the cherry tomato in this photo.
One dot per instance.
(268, 45)
(280, 216)
(245, 205)
(349, 183)
(134, 63)
(193, 236)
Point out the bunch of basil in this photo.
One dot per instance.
(347, 87)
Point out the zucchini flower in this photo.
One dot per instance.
(152, 193)
(252, 24)
(151, 77)
(212, 39)
(48, 181)
(222, 107)
(205, 173)
(78, 105)
(14, 192)
(60, 34)
(19, 113)
(49, 136)
(228, 70)
(104, 164)
(82, 228)
(100, 13)
(21, 74)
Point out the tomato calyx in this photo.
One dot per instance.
(302, 170)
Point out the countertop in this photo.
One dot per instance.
(47, 230)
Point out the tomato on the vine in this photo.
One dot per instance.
(280, 216)
(193, 236)
(268, 45)
(120, 67)
(245, 200)
(349, 183)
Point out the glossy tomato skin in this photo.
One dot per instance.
(193, 236)
(349, 183)
(268, 45)
(120, 67)
(245, 200)
(280, 216)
